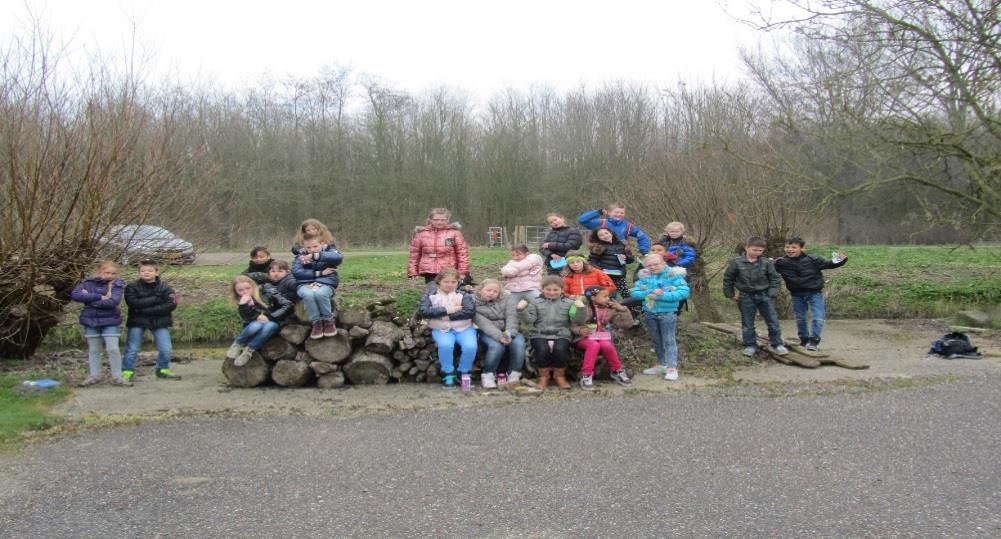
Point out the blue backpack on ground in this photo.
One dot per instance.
(955, 345)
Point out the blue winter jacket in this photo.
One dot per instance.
(312, 272)
(668, 301)
(679, 248)
(98, 312)
(592, 220)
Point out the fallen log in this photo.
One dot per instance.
(294, 333)
(336, 349)
(277, 349)
(367, 368)
(382, 337)
(330, 380)
(254, 373)
(289, 373)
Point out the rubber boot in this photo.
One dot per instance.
(543, 380)
(561, 378)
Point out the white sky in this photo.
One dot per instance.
(481, 46)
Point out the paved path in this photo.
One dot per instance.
(913, 462)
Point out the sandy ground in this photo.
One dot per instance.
(895, 351)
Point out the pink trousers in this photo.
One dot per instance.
(591, 349)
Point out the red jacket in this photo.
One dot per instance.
(434, 249)
(575, 283)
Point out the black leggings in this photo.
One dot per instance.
(544, 359)
(621, 285)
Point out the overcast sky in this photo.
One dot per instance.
(478, 45)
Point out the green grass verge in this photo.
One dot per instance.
(27, 411)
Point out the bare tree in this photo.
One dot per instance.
(76, 158)
(910, 86)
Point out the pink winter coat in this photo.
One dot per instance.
(434, 249)
(523, 275)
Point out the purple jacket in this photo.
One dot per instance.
(99, 312)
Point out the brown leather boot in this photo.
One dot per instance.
(561, 378)
(543, 380)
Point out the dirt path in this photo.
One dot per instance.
(895, 351)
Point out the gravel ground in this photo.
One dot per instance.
(913, 462)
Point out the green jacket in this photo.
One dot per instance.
(751, 277)
(552, 318)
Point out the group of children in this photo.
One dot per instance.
(553, 302)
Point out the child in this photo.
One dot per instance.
(315, 272)
(260, 262)
(559, 240)
(449, 312)
(674, 239)
(578, 275)
(614, 217)
(438, 245)
(757, 282)
(311, 227)
(595, 336)
(522, 275)
(803, 276)
(151, 303)
(100, 319)
(634, 302)
(661, 289)
(610, 255)
(263, 311)
(497, 319)
(280, 277)
(549, 319)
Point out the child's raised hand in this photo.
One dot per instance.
(246, 299)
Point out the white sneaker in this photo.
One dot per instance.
(244, 357)
(233, 351)
(811, 347)
(514, 376)
(656, 370)
(488, 381)
(671, 375)
(749, 351)
(781, 350)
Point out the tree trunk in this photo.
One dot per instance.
(700, 297)
(368, 368)
(278, 348)
(350, 318)
(334, 349)
(321, 368)
(254, 373)
(330, 380)
(292, 373)
(295, 333)
(382, 337)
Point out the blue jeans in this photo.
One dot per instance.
(495, 351)
(446, 349)
(815, 303)
(317, 302)
(750, 304)
(662, 327)
(256, 333)
(134, 341)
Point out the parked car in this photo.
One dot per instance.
(132, 243)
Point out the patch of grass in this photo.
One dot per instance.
(27, 411)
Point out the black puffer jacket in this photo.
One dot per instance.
(276, 306)
(150, 304)
(605, 256)
(288, 287)
(561, 241)
(802, 274)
